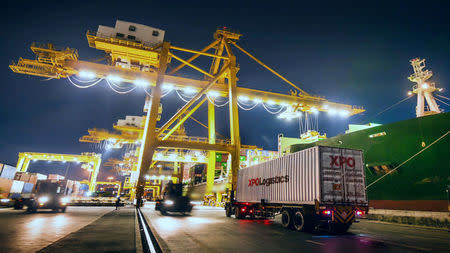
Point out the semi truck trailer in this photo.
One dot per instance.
(316, 188)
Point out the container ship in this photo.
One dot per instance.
(406, 162)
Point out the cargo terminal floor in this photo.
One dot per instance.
(101, 229)
(207, 229)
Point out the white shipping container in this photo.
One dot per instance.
(41, 176)
(16, 186)
(328, 175)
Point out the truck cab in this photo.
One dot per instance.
(48, 195)
(173, 200)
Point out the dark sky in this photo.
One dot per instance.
(351, 53)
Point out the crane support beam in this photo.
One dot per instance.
(150, 142)
(182, 120)
(190, 103)
(92, 158)
(128, 75)
(191, 65)
(220, 147)
(213, 44)
(268, 68)
(211, 166)
(234, 122)
(199, 52)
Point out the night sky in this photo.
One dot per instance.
(351, 53)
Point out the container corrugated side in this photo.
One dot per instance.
(5, 186)
(290, 179)
(8, 171)
(27, 188)
(17, 186)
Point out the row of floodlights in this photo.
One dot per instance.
(73, 160)
(212, 93)
(162, 177)
(199, 155)
(166, 87)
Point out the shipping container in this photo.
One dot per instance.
(8, 171)
(55, 177)
(5, 187)
(41, 176)
(328, 175)
(27, 188)
(17, 187)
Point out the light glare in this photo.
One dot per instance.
(141, 82)
(167, 86)
(213, 93)
(114, 78)
(86, 74)
(189, 90)
(243, 98)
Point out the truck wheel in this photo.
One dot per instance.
(163, 212)
(286, 218)
(228, 211)
(63, 210)
(298, 221)
(237, 213)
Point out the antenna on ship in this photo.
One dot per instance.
(423, 89)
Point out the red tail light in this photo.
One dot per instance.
(326, 212)
(359, 213)
(243, 209)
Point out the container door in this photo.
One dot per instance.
(354, 178)
(331, 174)
(342, 176)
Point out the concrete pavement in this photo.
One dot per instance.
(113, 232)
(208, 230)
(22, 232)
(80, 229)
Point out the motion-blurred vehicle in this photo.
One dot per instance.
(173, 200)
(6, 202)
(48, 195)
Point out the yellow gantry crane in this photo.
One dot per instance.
(92, 160)
(146, 65)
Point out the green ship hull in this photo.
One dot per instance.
(408, 179)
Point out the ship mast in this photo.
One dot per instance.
(423, 89)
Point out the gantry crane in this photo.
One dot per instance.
(131, 134)
(149, 68)
(92, 160)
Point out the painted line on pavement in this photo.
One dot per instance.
(318, 243)
(146, 233)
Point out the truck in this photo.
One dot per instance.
(46, 194)
(320, 188)
(173, 200)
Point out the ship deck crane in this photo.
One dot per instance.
(150, 69)
(92, 160)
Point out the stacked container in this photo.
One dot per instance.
(7, 171)
(5, 187)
